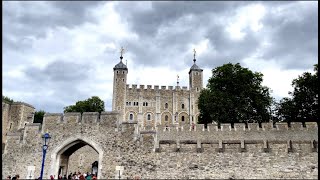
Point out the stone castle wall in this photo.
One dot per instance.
(15, 116)
(82, 159)
(165, 152)
(5, 120)
(179, 100)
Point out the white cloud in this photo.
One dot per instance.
(248, 16)
(93, 44)
(277, 79)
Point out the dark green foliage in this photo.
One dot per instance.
(303, 103)
(93, 104)
(7, 99)
(38, 116)
(234, 94)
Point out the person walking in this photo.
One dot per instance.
(88, 177)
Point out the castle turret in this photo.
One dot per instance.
(119, 86)
(195, 76)
(195, 84)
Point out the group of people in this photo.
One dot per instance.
(75, 175)
(14, 177)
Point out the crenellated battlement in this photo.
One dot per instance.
(77, 117)
(135, 87)
(240, 133)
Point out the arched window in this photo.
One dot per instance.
(166, 106)
(182, 106)
(131, 117)
(117, 72)
(166, 118)
(148, 117)
(182, 118)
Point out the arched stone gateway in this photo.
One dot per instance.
(67, 147)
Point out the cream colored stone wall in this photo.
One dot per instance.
(119, 91)
(157, 100)
(5, 120)
(118, 147)
(82, 159)
(15, 116)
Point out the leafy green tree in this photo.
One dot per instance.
(93, 104)
(303, 103)
(234, 94)
(7, 99)
(38, 116)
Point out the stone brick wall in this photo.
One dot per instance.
(122, 145)
(156, 99)
(15, 116)
(82, 159)
(5, 120)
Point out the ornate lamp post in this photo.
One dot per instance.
(46, 137)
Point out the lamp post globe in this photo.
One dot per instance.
(46, 138)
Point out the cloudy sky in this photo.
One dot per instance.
(57, 53)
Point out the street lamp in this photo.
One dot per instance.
(46, 137)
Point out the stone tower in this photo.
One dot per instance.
(119, 87)
(195, 86)
(195, 77)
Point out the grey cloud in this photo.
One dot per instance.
(64, 80)
(164, 34)
(294, 43)
(61, 71)
(228, 50)
(29, 21)
(146, 23)
(294, 39)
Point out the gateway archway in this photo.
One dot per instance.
(61, 154)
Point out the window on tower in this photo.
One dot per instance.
(166, 106)
(182, 118)
(131, 117)
(166, 118)
(182, 106)
(149, 117)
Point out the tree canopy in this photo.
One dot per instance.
(234, 94)
(93, 104)
(303, 103)
(7, 99)
(38, 116)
